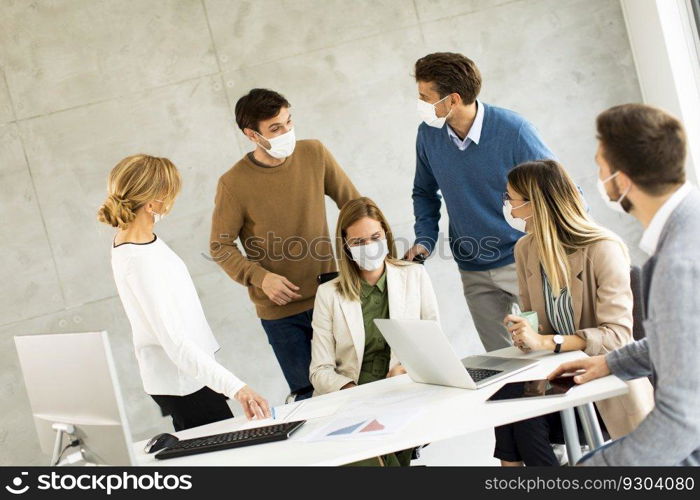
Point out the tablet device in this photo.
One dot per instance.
(531, 389)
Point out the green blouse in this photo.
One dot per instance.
(375, 362)
(375, 305)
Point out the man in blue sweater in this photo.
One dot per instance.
(465, 150)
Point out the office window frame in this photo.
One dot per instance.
(694, 15)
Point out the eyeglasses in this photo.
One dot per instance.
(505, 197)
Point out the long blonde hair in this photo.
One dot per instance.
(560, 223)
(349, 272)
(135, 181)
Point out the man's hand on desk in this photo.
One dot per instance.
(397, 370)
(595, 367)
(254, 405)
(279, 289)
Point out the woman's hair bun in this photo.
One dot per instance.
(135, 181)
(116, 211)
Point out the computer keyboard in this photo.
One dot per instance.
(246, 437)
(479, 374)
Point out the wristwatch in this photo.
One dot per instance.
(558, 341)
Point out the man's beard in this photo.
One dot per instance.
(626, 204)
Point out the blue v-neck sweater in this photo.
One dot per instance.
(472, 182)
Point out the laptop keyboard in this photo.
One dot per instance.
(479, 374)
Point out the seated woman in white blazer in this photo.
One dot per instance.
(347, 348)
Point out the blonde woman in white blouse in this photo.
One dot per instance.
(174, 344)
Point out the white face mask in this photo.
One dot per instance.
(426, 111)
(613, 205)
(156, 216)
(281, 146)
(514, 222)
(370, 257)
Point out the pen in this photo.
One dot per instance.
(298, 404)
(273, 413)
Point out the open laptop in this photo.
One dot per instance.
(428, 357)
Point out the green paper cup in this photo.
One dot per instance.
(531, 317)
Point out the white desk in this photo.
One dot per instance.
(450, 412)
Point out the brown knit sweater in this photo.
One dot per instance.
(279, 214)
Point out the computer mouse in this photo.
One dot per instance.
(157, 443)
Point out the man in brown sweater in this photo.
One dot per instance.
(273, 200)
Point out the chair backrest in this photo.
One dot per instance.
(322, 278)
(638, 307)
(420, 258)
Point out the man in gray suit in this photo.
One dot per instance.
(641, 155)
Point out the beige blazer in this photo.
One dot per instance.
(602, 300)
(338, 342)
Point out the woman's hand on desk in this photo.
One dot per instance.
(396, 371)
(254, 405)
(595, 367)
(349, 385)
(524, 337)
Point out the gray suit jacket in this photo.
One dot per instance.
(670, 352)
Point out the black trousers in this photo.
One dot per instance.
(527, 441)
(199, 408)
(530, 440)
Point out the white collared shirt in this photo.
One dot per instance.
(474, 134)
(650, 238)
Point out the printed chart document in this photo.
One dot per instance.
(377, 415)
(364, 427)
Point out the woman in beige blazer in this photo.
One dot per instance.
(576, 276)
(347, 348)
(340, 317)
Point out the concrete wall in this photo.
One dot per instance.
(84, 83)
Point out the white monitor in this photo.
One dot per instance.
(71, 379)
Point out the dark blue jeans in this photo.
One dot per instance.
(290, 339)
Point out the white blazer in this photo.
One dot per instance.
(338, 343)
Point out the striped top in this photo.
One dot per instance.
(560, 310)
